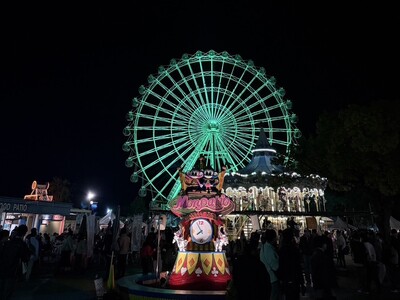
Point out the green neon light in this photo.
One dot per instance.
(210, 104)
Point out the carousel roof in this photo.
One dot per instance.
(263, 153)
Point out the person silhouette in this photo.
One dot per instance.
(250, 276)
(13, 252)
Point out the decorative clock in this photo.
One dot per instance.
(201, 231)
(201, 263)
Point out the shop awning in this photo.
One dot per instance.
(16, 205)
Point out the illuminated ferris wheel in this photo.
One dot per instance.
(211, 104)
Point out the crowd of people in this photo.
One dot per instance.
(378, 259)
(297, 263)
(22, 253)
(13, 252)
(275, 263)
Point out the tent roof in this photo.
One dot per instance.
(341, 225)
(394, 224)
(107, 218)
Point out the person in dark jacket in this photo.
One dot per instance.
(306, 251)
(12, 253)
(290, 269)
(250, 276)
(321, 270)
(146, 255)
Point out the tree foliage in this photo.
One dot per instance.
(139, 206)
(363, 147)
(357, 149)
(60, 189)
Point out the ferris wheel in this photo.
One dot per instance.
(211, 104)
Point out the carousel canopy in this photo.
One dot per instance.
(263, 153)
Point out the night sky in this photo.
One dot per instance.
(68, 74)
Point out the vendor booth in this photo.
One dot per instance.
(35, 210)
(44, 215)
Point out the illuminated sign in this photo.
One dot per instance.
(58, 218)
(39, 192)
(217, 204)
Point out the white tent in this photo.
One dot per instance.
(394, 224)
(341, 225)
(109, 217)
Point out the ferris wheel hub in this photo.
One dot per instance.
(213, 126)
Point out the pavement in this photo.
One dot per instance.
(48, 284)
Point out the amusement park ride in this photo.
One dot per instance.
(202, 138)
(217, 106)
(211, 104)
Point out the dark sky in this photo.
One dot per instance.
(68, 74)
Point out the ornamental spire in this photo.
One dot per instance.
(261, 160)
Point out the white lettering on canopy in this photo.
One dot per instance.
(5, 206)
(11, 207)
(20, 207)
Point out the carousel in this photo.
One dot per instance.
(206, 112)
(266, 195)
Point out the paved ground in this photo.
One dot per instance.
(48, 285)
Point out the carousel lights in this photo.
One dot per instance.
(263, 150)
(295, 175)
(242, 175)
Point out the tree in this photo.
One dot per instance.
(357, 150)
(139, 206)
(60, 189)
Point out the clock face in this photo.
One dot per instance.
(201, 231)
